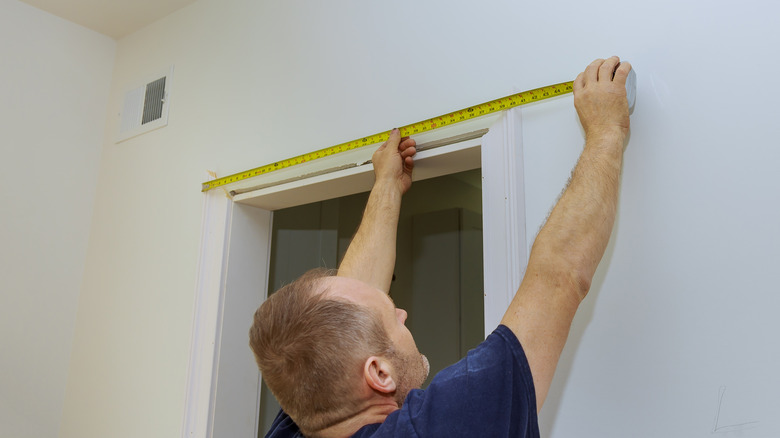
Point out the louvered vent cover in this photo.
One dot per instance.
(145, 108)
(153, 102)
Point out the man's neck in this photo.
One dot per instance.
(373, 415)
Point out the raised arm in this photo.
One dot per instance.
(569, 247)
(371, 255)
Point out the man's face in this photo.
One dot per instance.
(411, 367)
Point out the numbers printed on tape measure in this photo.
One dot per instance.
(501, 104)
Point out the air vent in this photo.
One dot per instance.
(145, 107)
(153, 101)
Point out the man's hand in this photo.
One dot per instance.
(600, 97)
(393, 161)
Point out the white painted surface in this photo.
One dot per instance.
(237, 380)
(207, 317)
(685, 300)
(54, 84)
(503, 215)
(257, 82)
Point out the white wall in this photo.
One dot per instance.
(684, 305)
(256, 82)
(54, 84)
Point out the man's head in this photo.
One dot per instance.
(330, 346)
(402, 368)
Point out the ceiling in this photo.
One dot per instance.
(115, 18)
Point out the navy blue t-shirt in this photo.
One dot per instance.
(490, 392)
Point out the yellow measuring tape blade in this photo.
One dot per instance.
(471, 112)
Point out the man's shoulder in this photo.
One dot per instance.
(488, 391)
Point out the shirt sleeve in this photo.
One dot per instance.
(490, 392)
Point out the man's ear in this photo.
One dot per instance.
(378, 374)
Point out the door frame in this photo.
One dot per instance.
(223, 382)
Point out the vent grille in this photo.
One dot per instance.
(153, 101)
(145, 108)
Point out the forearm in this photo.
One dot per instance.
(576, 234)
(371, 254)
(564, 258)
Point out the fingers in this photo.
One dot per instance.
(591, 73)
(407, 146)
(398, 142)
(396, 146)
(622, 72)
(408, 150)
(607, 68)
(408, 164)
(603, 70)
(404, 145)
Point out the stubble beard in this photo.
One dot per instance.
(413, 369)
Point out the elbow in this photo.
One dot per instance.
(582, 283)
(564, 276)
(580, 275)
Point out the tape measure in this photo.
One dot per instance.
(471, 112)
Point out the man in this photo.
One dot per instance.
(335, 350)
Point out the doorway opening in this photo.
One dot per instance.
(438, 277)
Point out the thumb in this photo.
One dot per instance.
(395, 138)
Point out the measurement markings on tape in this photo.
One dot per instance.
(469, 113)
